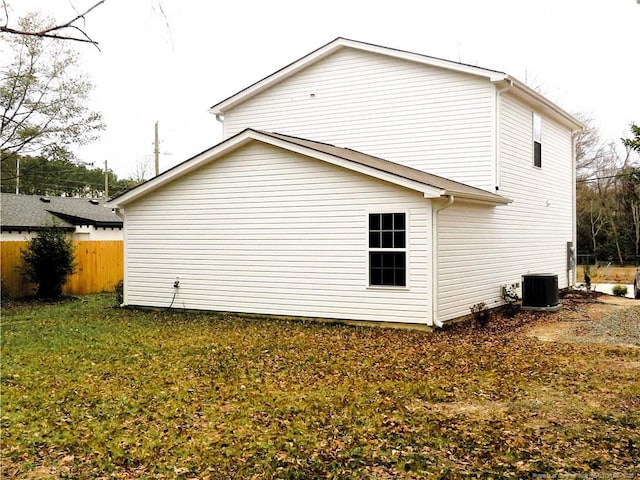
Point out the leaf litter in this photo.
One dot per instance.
(93, 392)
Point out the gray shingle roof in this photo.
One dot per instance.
(32, 212)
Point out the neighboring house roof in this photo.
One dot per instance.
(431, 186)
(35, 212)
(501, 79)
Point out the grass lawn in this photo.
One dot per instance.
(91, 391)
(612, 274)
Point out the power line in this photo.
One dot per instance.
(617, 175)
(69, 170)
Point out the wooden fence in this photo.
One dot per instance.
(99, 266)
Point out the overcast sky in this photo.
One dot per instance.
(581, 53)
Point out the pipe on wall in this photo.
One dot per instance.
(434, 260)
(497, 132)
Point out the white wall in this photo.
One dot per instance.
(16, 236)
(83, 233)
(424, 117)
(481, 249)
(90, 233)
(263, 230)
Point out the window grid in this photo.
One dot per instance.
(387, 244)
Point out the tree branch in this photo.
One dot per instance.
(6, 13)
(49, 32)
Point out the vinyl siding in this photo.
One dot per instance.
(82, 233)
(263, 230)
(482, 249)
(425, 117)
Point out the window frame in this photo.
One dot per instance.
(536, 137)
(404, 250)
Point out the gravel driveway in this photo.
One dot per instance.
(595, 319)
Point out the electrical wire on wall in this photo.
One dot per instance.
(176, 285)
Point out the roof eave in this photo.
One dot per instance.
(488, 199)
(108, 225)
(35, 228)
(77, 220)
(266, 82)
(563, 116)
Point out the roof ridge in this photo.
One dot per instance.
(410, 52)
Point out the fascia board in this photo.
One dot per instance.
(34, 228)
(478, 199)
(279, 75)
(492, 75)
(529, 95)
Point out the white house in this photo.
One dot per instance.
(361, 183)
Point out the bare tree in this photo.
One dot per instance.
(608, 195)
(591, 216)
(69, 30)
(143, 169)
(607, 167)
(590, 150)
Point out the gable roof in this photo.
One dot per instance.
(35, 212)
(501, 79)
(431, 186)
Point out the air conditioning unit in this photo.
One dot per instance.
(540, 292)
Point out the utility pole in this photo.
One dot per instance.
(17, 174)
(106, 180)
(156, 151)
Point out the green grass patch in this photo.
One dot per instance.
(92, 391)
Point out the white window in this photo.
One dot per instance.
(387, 249)
(537, 140)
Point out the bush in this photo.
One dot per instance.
(481, 315)
(48, 261)
(119, 292)
(620, 290)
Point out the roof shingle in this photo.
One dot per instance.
(32, 212)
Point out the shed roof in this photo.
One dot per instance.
(432, 186)
(34, 212)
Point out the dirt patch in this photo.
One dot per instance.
(591, 319)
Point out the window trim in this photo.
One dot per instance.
(405, 250)
(536, 139)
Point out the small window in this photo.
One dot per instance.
(387, 254)
(537, 140)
